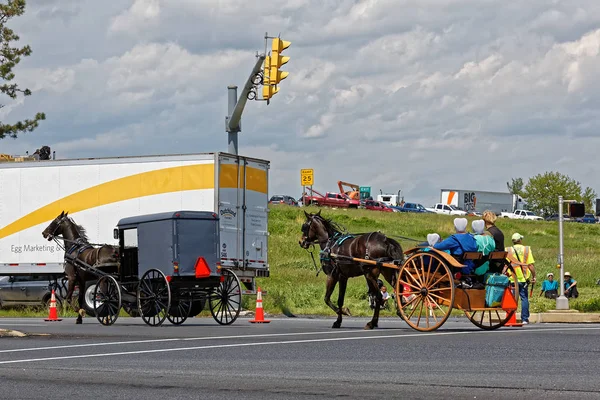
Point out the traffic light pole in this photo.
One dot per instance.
(236, 107)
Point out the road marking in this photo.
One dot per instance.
(185, 339)
(23, 324)
(223, 346)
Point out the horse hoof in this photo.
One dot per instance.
(370, 326)
(346, 311)
(78, 322)
(337, 325)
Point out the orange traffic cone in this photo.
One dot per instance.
(52, 313)
(509, 304)
(260, 316)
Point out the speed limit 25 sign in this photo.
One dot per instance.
(306, 177)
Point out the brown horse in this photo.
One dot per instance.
(76, 246)
(372, 246)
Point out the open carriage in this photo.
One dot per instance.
(169, 267)
(430, 285)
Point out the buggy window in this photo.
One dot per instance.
(130, 238)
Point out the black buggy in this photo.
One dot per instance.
(169, 268)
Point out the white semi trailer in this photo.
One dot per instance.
(98, 192)
(479, 200)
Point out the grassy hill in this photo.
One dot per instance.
(294, 287)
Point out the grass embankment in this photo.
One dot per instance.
(293, 285)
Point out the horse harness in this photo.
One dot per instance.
(336, 241)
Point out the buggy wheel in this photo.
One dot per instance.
(180, 310)
(107, 300)
(154, 297)
(225, 301)
(430, 294)
(493, 319)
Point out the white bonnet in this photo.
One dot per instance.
(460, 224)
(433, 238)
(478, 226)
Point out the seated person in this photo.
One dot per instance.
(459, 243)
(485, 245)
(386, 297)
(550, 287)
(570, 288)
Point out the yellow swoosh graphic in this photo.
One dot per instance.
(166, 180)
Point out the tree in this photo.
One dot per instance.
(9, 58)
(542, 191)
(588, 197)
(515, 186)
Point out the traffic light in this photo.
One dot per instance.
(269, 91)
(277, 60)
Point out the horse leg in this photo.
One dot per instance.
(331, 282)
(341, 309)
(80, 300)
(374, 291)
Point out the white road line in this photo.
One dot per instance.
(185, 339)
(1, 324)
(222, 346)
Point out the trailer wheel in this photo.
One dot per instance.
(88, 298)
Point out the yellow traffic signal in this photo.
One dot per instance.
(277, 60)
(269, 91)
(266, 71)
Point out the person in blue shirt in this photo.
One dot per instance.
(459, 243)
(570, 286)
(550, 287)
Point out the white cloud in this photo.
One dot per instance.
(411, 95)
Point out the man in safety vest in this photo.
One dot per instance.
(521, 259)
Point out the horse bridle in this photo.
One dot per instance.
(56, 239)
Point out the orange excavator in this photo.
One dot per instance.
(354, 194)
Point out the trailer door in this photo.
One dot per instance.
(242, 208)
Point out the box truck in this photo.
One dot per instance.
(98, 192)
(479, 200)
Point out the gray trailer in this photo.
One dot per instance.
(479, 200)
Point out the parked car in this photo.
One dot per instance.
(413, 207)
(554, 217)
(283, 199)
(26, 290)
(587, 219)
(378, 206)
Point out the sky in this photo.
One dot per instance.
(411, 95)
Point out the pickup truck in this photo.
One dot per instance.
(330, 199)
(521, 214)
(441, 208)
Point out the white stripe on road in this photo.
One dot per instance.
(186, 339)
(222, 346)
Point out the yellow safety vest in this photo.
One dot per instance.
(518, 265)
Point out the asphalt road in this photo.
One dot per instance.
(296, 358)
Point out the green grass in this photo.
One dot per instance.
(294, 287)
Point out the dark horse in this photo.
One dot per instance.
(372, 246)
(77, 246)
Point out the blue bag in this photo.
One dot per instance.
(494, 289)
